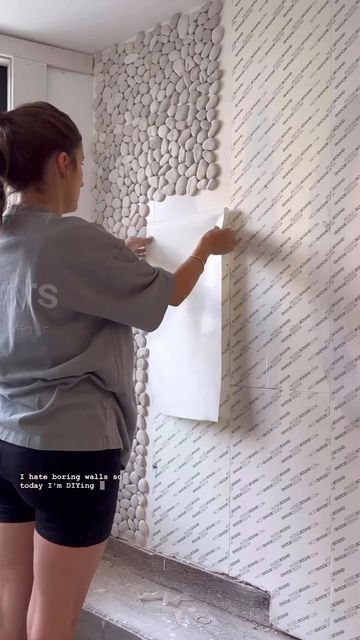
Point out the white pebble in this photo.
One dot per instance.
(179, 67)
(140, 538)
(183, 25)
(140, 513)
(214, 128)
(131, 513)
(212, 171)
(217, 34)
(174, 21)
(191, 187)
(143, 486)
(141, 471)
(141, 499)
(131, 488)
(215, 52)
(197, 151)
(134, 501)
(143, 528)
(129, 534)
(134, 478)
(169, 189)
(172, 175)
(142, 437)
(141, 423)
(210, 144)
(212, 184)
(139, 388)
(215, 8)
(141, 461)
(202, 168)
(141, 450)
(140, 340)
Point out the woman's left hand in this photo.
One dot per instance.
(138, 245)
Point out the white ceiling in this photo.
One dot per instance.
(85, 25)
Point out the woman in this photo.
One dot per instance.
(70, 293)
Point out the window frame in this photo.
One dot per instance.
(7, 62)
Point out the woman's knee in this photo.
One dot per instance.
(62, 577)
(53, 634)
(44, 623)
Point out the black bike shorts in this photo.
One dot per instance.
(70, 495)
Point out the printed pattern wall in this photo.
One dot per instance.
(156, 129)
(295, 340)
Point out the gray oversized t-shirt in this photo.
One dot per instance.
(70, 293)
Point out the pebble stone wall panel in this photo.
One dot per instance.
(295, 340)
(156, 118)
(156, 135)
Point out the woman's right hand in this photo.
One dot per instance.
(215, 241)
(218, 241)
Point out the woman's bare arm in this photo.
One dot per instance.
(216, 241)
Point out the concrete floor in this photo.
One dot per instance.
(123, 606)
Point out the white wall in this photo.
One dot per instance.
(64, 78)
(27, 81)
(72, 92)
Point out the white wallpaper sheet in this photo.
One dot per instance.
(190, 391)
(270, 494)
